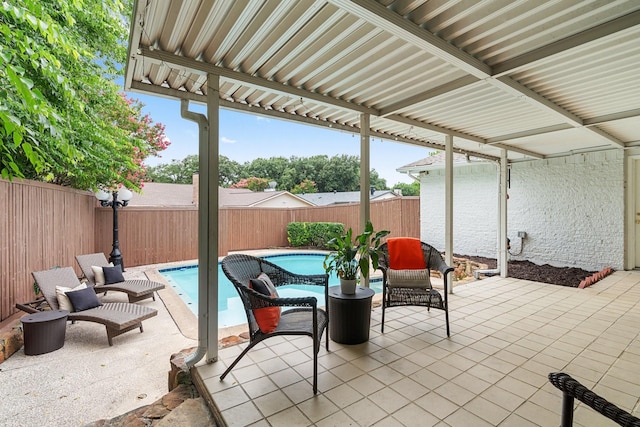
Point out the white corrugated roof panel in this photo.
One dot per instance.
(537, 78)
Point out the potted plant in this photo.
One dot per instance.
(350, 255)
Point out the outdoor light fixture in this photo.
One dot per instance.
(119, 198)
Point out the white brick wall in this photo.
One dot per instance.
(571, 208)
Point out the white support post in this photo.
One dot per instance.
(502, 226)
(211, 238)
(365, 181)
(448, 203)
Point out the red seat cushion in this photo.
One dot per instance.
(405, 253)
(267, 317)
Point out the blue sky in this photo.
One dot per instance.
(244, 137)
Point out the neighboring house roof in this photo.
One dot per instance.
(160, 194)
(238, 197)
(437, 161)
(331, 198)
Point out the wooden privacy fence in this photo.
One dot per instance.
(158, 235)
(44, 225)
(41, 226)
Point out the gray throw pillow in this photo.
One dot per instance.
(113, 274)
(83, 299)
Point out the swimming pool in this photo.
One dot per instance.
(184, 280)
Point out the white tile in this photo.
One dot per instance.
(317, 408)
(289, 417)
(273, 402)
(343, 395)
(410, 414)
(366, 384)
(365, 412)
(462, 417)
(507, 335)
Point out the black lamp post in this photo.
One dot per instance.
(119, 198)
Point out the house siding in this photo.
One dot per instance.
(571, 208)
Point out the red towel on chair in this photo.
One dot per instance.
(405, 253)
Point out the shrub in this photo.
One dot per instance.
(298, 233)
(313, 233)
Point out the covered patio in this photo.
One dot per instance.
(507, 336)
(500, 80)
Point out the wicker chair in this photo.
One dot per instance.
(303, 318)
(396, 296)
(573, 389)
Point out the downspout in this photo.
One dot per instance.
(203, 199)
(502, 217)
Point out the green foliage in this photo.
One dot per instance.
(412, 189)
(376, 182)
(229, 171)
(305, 187)
(322, 232)
(296, 174)
(312, 233)
(62, 119)
(298, 233)
(176, 172)
(352, 254)
(252, 183)
(271, 169)
(181, 171)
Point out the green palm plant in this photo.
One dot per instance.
(352, 254)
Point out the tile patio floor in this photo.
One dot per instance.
(506, 336)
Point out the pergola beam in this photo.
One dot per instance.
(560, 46)
(424, 96)
(166, 92)
(177, 61)
(531, 132)
(594, 121)
(391, 22)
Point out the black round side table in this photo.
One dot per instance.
(350, 315)
(44, 332)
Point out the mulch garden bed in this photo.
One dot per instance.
(526, 270)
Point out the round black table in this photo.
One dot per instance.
(350, 315)
(44, 331)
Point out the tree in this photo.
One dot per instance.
(229, 171)
(252, 183)
(270, 169)
(376, 182)
(305, 187)
(412, 189)
(62, 119)
(176, 172)
(339, 173)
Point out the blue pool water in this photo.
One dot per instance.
(184, 280)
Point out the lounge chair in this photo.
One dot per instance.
(263, 312)
(118, 318)
(572, 389)
(408, 281)
(136, 290)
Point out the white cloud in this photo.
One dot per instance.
(266, 119)
(226, 140)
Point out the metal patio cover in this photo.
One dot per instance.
(538, 78)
